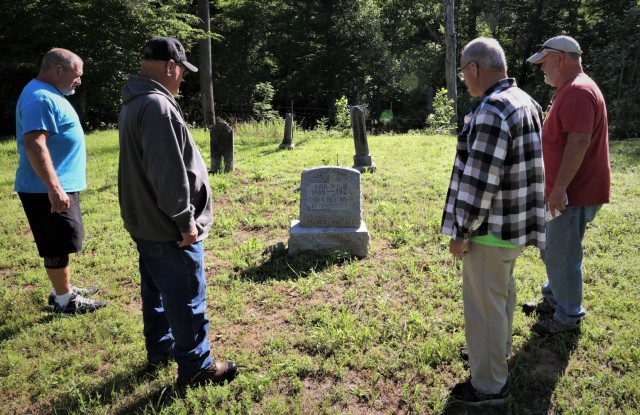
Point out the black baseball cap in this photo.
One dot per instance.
(165, 48)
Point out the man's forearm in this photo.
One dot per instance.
(36, 148)
(574, 151)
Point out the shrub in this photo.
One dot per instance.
(343, 116)
(262, 96)
(440, 121)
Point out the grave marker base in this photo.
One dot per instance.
(326, 241)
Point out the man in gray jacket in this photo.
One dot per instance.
(165, 203)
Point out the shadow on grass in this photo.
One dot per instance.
(280, 267)
(276, 148)
(535, 370)
(162, 396)
(157, 395)
(9, 329)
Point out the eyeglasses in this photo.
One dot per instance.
(460, 74)
(185, 71)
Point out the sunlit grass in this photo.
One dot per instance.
(328, 335)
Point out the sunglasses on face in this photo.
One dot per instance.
(542, 48)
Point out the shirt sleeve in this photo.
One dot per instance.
(39, 116)
(163, 144)
(578, 112)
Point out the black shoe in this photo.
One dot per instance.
(466, 394)
(544, 307)
(216, 374)
(552, 327)
(79, 305)
(76, 290)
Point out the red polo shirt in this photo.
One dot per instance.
(579, 107)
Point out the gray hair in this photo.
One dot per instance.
(486, 53)
(58, 56)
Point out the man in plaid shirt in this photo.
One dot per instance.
(494, 208)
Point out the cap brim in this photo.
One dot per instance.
(538, 56)
(189, 66)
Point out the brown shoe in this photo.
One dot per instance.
(216, 374)
(544, 307)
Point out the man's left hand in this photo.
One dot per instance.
(459, 248)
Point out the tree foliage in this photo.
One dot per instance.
(262, 97)
(616, 57)
(106, 34)
(387, 55)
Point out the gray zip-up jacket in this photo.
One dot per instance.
(163, 182)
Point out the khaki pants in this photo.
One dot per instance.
(489, 297)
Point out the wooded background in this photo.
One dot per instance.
(386, 54)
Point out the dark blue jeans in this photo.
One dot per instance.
(173, 292)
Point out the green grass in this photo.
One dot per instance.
(314, 336)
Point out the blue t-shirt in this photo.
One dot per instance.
(42, 107)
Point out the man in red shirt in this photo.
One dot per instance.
(575, 147)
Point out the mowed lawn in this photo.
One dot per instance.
(335, 335)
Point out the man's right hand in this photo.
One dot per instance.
(557, 201)
(60, 201)
(188, 238)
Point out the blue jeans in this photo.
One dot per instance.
(563, 260)
(173, 292)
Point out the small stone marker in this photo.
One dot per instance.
(288, 133)
(330, 214)
(362, 160)
(221, 143)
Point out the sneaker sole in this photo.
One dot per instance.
(489, 402)
(91, 290)
(78, 311)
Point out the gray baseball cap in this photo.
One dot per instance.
(556, 44)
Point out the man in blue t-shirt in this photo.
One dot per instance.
(51, 172)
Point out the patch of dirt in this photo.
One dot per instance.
(354, 395)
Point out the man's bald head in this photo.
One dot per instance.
(59, 56)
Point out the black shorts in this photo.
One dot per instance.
(55, 234)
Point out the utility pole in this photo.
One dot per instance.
(450, 55)
(205, 71)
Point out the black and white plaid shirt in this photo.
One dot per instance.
(497, 183)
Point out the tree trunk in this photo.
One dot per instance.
(204, 69)
(450, 55)
(530, 47)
